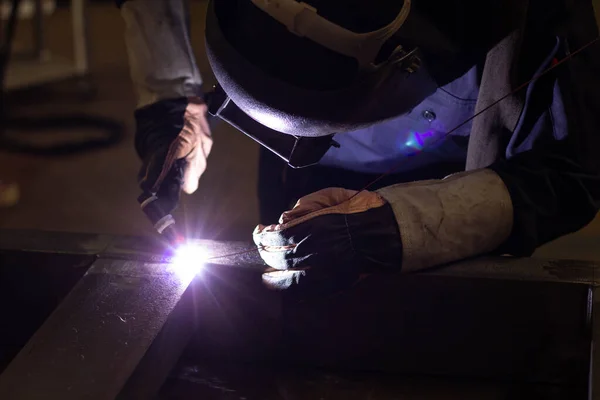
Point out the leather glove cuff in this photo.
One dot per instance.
(375, 238)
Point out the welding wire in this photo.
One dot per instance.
(250, 250)
(398, 165)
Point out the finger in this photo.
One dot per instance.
(202, 116)
(195, 167)
(280, 249)
(320, 200)
(322, 243)
(196, 136)
(280, 280)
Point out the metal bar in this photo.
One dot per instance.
(163, 354)
(150, 249)
(38, 31)
(53, 242)
(418, 324)
(197, 380)
(80, 36)
(594, 375)
(92, 343)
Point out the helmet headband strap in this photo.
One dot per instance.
(302, 20)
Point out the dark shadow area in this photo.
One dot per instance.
(31, 287)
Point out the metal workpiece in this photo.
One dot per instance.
(241, 254)
(193, 380)
(53, 242)
(95, 339)
(135, 248)
(594, 372)
(526, 326)
(449, 326)
(233, 254)
(32, 285)
(522, 269)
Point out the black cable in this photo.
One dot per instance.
(113, 131)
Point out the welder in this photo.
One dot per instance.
(406, 91)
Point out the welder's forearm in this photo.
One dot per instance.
(552, 196)
(442, 221)
(161, 58)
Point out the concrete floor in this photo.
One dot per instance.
(96, 192)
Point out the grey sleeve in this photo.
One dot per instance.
(161, 59)
(441, 221)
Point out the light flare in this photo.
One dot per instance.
(188, 261)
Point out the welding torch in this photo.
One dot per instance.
(163, 222)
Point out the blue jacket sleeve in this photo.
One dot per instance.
(552, 161)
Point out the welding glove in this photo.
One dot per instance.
(173, 139)
(328, 240)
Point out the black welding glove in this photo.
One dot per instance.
(173, 140)
(329, 240)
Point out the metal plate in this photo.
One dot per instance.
(150, 249)
(191, 381)
(425, 324)
(92, 343)
(519, 319)
(31, 286)
(53, 242)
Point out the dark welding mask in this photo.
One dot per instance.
(292, 74)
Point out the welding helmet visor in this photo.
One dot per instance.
(301, 73)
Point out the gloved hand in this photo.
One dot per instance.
(173, 140)
(328, 240)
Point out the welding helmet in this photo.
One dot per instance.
(315, 68)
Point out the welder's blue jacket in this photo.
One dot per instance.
(532, 161)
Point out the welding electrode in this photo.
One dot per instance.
(163, 222)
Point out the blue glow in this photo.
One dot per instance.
(418, 141)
